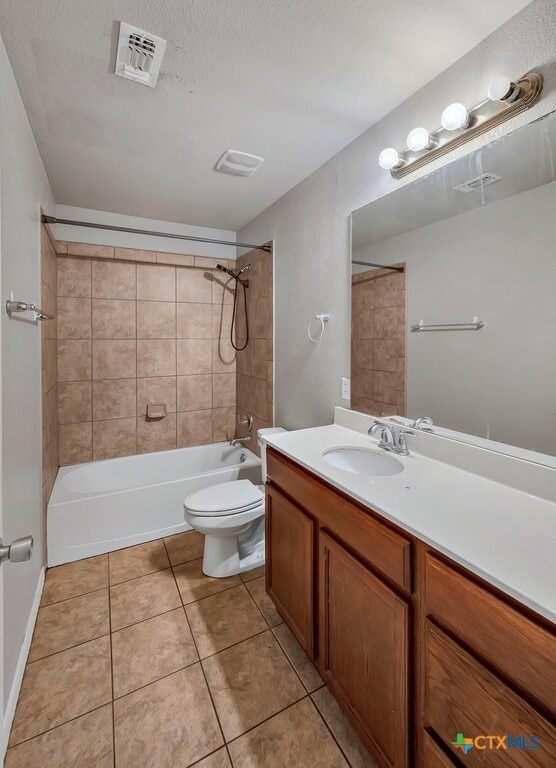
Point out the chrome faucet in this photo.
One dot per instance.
(239, 441)
(423, 422)
(391, 439)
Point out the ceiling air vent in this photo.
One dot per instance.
(139, 55)
(238, 163)
(477, 183)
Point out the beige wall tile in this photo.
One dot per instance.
(362, 353)
(194, 392)
(156, 435)
(258, 320)
(223, 424)
(362, 383)
(74, 277)
(222, 288)
(74, 402)
(194, 321)
(135, 254)
(194, 356)
(49, 364)
(194, 428)
(259, 364)
(222, 321)
(114, 359)
(223, 356)
(91, 251)
(114, 399)
(113, 319)
(244, 392)
(386, 387)
(270, 382)
(74, 360)
(224, 390)
(156, 283)
(156, 320)
(156, 357)
(385, 355)
(194, 285)
(385, 292)
(113, 438)
(160, 389)
(259, 403)
(175, 259)
(76, 443)
(113, 280)
(61, 246)
(74, 318)
(244, 359)
(386, 323)
(205, 262)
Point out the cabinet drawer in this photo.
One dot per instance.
(433, 756)
(517, 647)
(377, 544)
(463, 697)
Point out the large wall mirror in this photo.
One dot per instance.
(464, 331)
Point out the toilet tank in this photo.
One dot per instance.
(261, 433)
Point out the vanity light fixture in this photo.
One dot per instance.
(506, 99)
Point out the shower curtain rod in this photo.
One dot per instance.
(378, 266)
(113, 228)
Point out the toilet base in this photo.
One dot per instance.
(230, 555)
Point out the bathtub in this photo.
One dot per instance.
(106, 505)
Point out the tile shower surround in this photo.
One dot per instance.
(138, 659)
(49, 385)
(378, 342)
(136, 327)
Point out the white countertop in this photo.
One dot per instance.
(503, 534)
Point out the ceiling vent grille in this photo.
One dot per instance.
(478, 182)
(238, 163)
(139, 55)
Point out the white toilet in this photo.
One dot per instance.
(231, 516)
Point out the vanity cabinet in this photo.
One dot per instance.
(414, 648)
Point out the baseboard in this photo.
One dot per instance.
(20, 669)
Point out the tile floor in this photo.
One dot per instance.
(139, 660)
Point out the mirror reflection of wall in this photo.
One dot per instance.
(488, 253)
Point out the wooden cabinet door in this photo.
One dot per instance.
(364, 651)
(290, 566)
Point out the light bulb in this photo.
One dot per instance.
(418, 139)
(502, 89)
(455, 116)
(389, 158)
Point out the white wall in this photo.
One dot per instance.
(310, 223)
(146, 242)
(23, 188)
(499, 382)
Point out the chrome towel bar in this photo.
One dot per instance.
(476, 325)
(13, 306)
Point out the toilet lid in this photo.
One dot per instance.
(225, 498)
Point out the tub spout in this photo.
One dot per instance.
(240, 441)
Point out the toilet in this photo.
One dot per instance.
(231, 517)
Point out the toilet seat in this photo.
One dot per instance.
(222, 499)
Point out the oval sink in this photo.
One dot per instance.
(363, 461)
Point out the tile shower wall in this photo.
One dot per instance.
(48, 369)
(255, 364)
(378, 343)
(138, 327)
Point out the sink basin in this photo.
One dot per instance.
(363, 461)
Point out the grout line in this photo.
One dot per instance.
(270, 717)
(111, 669)
(60, 725)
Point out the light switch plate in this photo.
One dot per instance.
(346, 388)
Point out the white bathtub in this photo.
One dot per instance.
(106, 505)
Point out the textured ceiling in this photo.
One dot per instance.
(291, 80)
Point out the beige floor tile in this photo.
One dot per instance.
(126, 564)
(75, 579)
(61, 687)
(299, 659)
(255, 573)
(184, 547)
(224, 619)
(343, 731)
(218, 759)
(168, 724)
(296, 737)
(266, 606)
(143, 598)
(86, 742)
(71, 622)
(193, 584)
(152, 649)
(250, 682)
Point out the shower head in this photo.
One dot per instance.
(236, 277)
